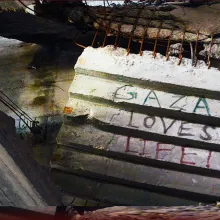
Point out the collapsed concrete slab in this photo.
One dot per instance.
(116, 92)
(90, 139)
(109, 61)
(160, 128)
(143, 122)
(112, 193)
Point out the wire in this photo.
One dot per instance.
(14, 105)
(27, 6)
(20, 113)
(80, 45)
(192, 55)
(108, 3)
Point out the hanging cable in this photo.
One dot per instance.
(192, 54)
(27, 6)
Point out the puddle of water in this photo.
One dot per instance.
(40, 93)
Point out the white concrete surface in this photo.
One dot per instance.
(146, 67)
(120, 92)
(116, 62)
(92, 136)
(30, 9)
(143, 122)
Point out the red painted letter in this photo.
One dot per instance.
(161, 149)
(208, 161)
(128, 146)
(182, 161)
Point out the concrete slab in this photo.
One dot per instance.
(113, 193)
(138, 176)
(147, 68)
(144, 122)
(103, 90)
(87, 138)
(181, 132)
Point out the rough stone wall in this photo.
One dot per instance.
(143, 122)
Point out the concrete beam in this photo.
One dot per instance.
(136, 175)
(145, 100)
(149, 69)
(152, 127)
(112, 193)
(87, 138)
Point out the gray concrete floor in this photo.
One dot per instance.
(41, 93)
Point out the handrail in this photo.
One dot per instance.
(23, 116)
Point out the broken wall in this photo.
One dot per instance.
(23, 181)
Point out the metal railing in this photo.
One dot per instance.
(32, 124)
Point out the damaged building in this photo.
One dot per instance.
(110, 103)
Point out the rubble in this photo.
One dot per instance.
(143, 121)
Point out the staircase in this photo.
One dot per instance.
(140, 131)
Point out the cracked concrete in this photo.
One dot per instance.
(144, 124)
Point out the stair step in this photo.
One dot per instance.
(133, 98)
(87, 138)
(160, 180)
(115, 194)
(146, 70)
(144, 126)
(139, 122)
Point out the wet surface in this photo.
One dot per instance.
(37, 79)
(41, 92)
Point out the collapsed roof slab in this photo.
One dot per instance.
(144, 122)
